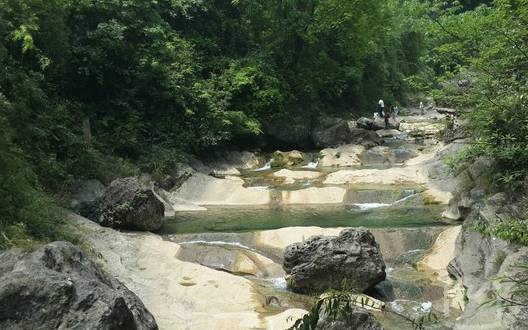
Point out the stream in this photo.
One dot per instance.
(249, 240)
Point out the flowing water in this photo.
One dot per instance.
(404, 227)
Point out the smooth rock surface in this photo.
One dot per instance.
(321, 263)
(205, 190)
(437, 259)
(181, 295)
(343, 156)
(58, 287)
(391, 176)
(314, 195)
(297, 175)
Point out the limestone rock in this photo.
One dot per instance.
(322, 263)
(313, 195)
(203, 189)
(128, 204)
(343, 156)
(297, 175)
(58, 287)
(287, 159)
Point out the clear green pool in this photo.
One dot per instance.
(230, 219)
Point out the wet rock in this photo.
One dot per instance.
(130, 205)
(321, 263)
(58, 287)
(86, 196)
(230, 258)
(343, 156)
(287, 159)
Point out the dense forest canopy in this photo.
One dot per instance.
(106, 88)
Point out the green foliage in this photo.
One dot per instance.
(479, 59)
(25, 212)
(515, 231)
(515, 293)
(338, 305)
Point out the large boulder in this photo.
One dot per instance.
(344, 132)
(336, 134)
(364, 137)
(130, 205)
(365, 123)
(287, 158)
(58, 287)
(322, 263)
(379, 123)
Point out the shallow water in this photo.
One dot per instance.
(231, 219)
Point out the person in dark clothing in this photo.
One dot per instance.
(387, 116)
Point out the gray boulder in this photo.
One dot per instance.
(58, 287)
(344, 132)
(357, 319)
(379, 123)
(364, 137)
(130, 205)
(321, 263)
(365, 123)
(333, 135)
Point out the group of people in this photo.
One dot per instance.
(392, 111)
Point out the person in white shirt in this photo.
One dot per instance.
(381, 108)
(421, 108)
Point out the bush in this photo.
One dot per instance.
(26, 214)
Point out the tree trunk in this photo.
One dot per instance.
(87, 131)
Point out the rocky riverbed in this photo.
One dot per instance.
(217, 260)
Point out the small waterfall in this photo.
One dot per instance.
(219, 243)
(266, 167)
(369, 206)
(312, 165)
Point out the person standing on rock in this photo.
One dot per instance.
(381, 108)
(387, 117)
(421, 108)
